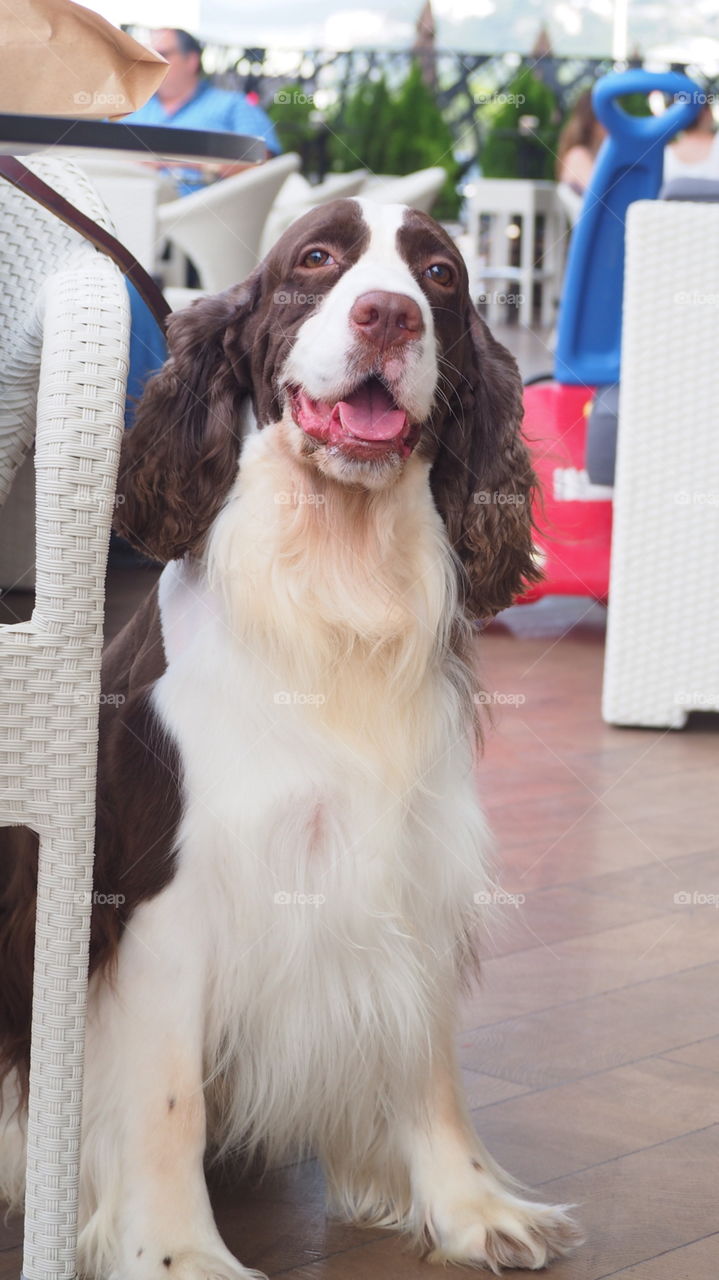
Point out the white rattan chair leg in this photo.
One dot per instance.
(59, 1002)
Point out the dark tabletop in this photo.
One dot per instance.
(22, 134)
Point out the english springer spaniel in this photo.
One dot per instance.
(291, 855)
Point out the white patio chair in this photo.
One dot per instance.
(571, 202)
(662, 657)
(419, 190)
(504, 204)
(64, 337)
(220, 227)
(342, 184)
(297, 195)
(130, 192)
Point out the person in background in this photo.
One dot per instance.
(695, 153)
(186, 100)
(579, 142)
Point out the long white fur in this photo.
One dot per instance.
(308, 777)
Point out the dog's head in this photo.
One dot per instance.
(359, 332)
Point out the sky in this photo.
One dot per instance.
(681, 32)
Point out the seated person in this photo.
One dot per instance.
(187, 100)
(579, 142)
(695, 153)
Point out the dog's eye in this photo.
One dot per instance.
(318, 258)
(440, 273)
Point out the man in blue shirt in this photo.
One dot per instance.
(185, 100)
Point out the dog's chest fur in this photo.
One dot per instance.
(327, 861)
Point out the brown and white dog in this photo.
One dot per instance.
(331, 466)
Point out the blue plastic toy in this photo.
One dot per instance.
(628, 168)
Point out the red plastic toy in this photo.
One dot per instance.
(574, 533)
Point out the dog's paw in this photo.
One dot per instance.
(185, 1264)
(500, 1230)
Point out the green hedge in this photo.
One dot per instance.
(511, 152)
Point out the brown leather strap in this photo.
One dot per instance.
(20, 176)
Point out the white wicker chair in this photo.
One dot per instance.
(662, 656)
(64, 336)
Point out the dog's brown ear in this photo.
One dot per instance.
(482, 478)
(180, 457)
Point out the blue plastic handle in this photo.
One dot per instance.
(628, 168)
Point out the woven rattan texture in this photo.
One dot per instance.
(663, 634)
(64, 335)
(33, 242)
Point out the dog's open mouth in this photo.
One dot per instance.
(367, 423)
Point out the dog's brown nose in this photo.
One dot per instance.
(387, 319)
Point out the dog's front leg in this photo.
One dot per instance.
(145, 1113)
(464, 1205)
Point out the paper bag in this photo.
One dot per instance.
(60, 59)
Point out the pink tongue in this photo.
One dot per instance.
(368, 414)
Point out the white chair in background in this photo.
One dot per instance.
(178, 297)
(501, 211)
(297, 195)
(220, 227)
(419, 190)
(662, 654)
(64, 340)
(342, 184)
(570, 200)
(131, 193)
